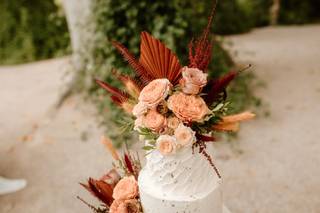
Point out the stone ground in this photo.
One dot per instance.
(273, 166)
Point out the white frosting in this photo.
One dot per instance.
(182, 182)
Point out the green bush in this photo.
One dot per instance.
(299, 12)
(31, 30)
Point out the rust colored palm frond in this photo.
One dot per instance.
(217, 86)
(200, 50)
(100, 190)
(117, 95)
(136, 65)
(159, 60)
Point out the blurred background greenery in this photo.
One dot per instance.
(36, 29)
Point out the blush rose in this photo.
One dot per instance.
(166, 144)
(185, 135)
(193, 80)
(155, 92)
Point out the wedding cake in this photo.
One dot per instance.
(176, 110)
(182, 183)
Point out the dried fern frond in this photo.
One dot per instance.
(232, 127)
(243, 116)
(200, 51)
(133, 86)
(158, 60)
(137, 67)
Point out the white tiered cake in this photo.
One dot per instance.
(180, 183)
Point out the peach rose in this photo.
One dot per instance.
(154, 121)
(188, 107)
(185, 135)
(139, 109)
(166, 144)
(193, 80)
(125, 206)
(156, 91)
(173, 122)
(127, 188)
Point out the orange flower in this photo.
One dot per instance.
(156, 91)
(193, 80)
(173, 122)
(125, 206)
(154, 121)
(166, 144)
(127, 188)
(188, 107)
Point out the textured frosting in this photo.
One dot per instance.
(182, 182)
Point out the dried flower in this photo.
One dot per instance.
(108, 144)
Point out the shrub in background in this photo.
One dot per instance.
(31, 30)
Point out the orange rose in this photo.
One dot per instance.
(125, 206)
(173, 122)
(156, 91)
(185, 135)
(154, 120)
(127, 188)
(188, 107)
(166, 144)
(193, 80)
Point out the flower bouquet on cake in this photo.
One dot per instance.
(176, 110)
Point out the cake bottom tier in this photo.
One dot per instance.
(211, 203)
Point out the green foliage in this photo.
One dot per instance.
(31, 30)
(299, 12)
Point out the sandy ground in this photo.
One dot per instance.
(272, 167)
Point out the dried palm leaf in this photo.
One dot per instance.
(158, 60)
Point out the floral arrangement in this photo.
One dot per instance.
(170, 106)
(174, 106)
(118, 189)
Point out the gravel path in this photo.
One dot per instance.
(273, 167)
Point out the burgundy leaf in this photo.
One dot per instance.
(128, 164)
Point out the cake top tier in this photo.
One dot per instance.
(183, 176)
